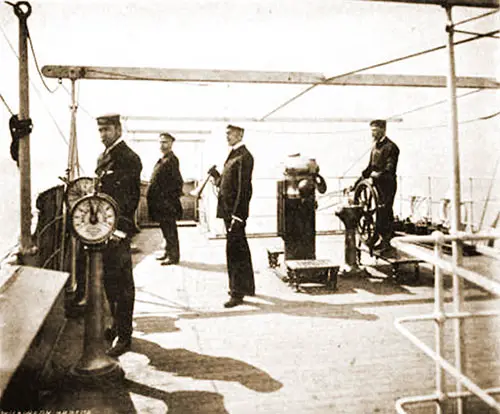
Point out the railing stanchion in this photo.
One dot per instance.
(440, 319)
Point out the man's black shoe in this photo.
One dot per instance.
(246, 294)
(384, 246)
(168, 261)
(233, 302)
(110, 334)
(162, 257)
(121, 346)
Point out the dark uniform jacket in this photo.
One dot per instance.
(120, 172)
(383, 159)
(165, 189)
(235, 187)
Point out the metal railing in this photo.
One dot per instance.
(418, 198)
(440, 317)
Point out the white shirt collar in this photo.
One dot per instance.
(380, 141)
(237, 145)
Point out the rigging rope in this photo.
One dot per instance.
(474, 33)
(480, 118)
(433, 104)
(480, 16)
(38, 67)
(428, 127)
(36, 89)
(377, 65)
(77, 99)
(7, 106)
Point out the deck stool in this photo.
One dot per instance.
(312, 271)
(273, 255)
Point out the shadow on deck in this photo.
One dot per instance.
(281, 351)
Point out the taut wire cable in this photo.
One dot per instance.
(7, 106)
(377, 65)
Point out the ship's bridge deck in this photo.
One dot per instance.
(314, 351)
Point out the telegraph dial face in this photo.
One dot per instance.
(93, 218)
(79, 188)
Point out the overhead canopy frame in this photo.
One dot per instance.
(249, 119)
(487, 4)
(261, 77)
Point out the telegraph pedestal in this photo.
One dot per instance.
(94, 366)
(93, 220)
(350, 216)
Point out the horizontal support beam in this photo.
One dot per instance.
(151, 139)
(173, 132)
(259, 77)
(249, 120)
(488, 4)
(180, 75)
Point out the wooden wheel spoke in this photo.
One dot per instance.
(369, 200)
(366, 196)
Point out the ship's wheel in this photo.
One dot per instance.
(367, 196)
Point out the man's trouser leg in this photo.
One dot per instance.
(385, 216)
(119, 285)
(239, 262)
(171, 235)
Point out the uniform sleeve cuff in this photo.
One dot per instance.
(120, 234)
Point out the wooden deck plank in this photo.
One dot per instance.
(281, 351)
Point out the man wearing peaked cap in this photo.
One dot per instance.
(382, 170)
(166, 136)
(119, 169)
(380, 123)
(235, 128)
(235, 192)
(108, 119)
(164, 194)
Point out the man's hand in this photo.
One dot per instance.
(117, 236)
(213, 172)
(348, 190)
(236, 224)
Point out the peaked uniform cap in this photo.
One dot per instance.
(108, 119)
(165, 136)
(235, 128)
(381, 123)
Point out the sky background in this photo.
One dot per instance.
(315, 36)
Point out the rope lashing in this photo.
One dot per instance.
(19, 128)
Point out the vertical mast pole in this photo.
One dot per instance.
(455, 203)
(22, 11)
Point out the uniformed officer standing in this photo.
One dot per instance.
(235, 192)
(164, 193)
(119, 169)
(382, 169)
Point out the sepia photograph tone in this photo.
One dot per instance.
(249, 207)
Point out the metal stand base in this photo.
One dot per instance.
(107, 372)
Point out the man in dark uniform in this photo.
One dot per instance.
(382, 169)
(235, 192)
(119, 169)
(164, 193)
